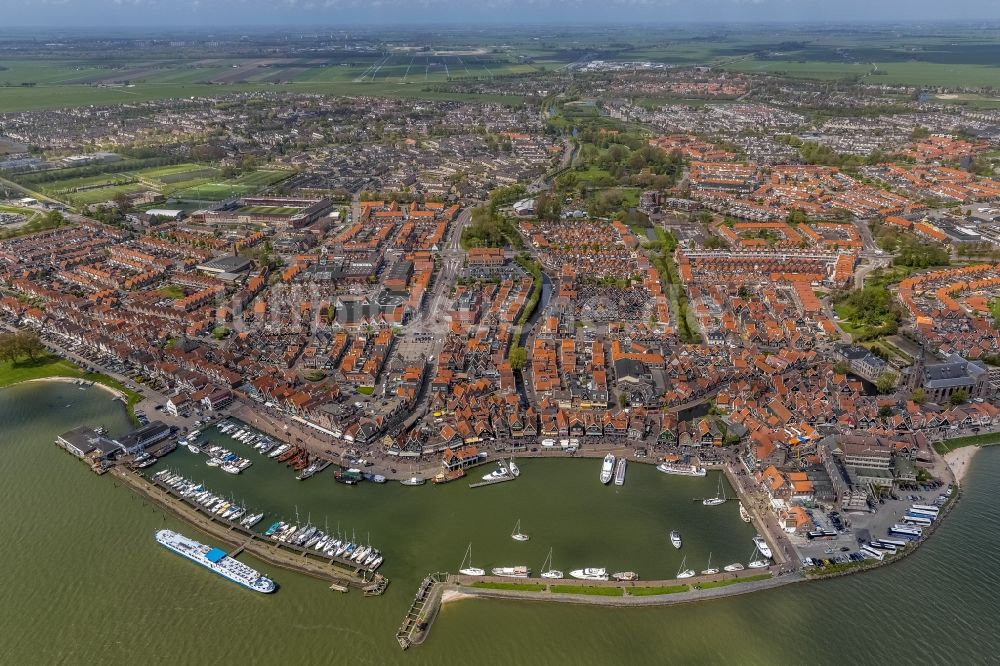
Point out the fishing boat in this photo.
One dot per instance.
(735, 566)
(684, 572)
(710, 570)
(468, 569)
(517, 535)
(590, 573)
(625, 576)
(762, 546)
(519, 571)
(720, 496)
(744, 514)
(675, 539)
(414, 481)
(607, 468)
(620, 471)
(547, 570)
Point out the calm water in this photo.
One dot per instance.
(87, 584)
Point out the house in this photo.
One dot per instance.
(178, 405)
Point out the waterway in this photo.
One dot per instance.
(85, 582)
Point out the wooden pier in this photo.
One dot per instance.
(422, 612)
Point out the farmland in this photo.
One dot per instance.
(186, 181)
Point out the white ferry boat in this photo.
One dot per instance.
(590, 573)
(681, 470)
(620, 472)
(607, 468)
(216, 560)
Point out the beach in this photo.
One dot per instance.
(958, 460)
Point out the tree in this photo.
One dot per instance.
(518, 357)
(885, 411)
(886, 383)
(959, 397)
(841, 367)
(918, 395)
(8, 347)
(29, 344)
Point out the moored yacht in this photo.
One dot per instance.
(684, 572)
(607, 468)
(735, 566)
(675, 539)
(468, 569)
(762, 546)
(517, 535)
(547, 570)
(590, 573)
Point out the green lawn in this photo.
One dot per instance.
(520, 587)
(173, 291)
(730, 581)
(989, 439)
(52, 366)
(652, 591)
(588, 589)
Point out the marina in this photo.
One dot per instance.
(430, 538)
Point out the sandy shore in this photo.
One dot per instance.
(72, 380)
(959, 459)
(454, 595)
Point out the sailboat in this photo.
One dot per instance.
(710, 570)
(682, 572)
(720, 496)
(470, 570)
(760, 563)
(547, 570)
(516, 535)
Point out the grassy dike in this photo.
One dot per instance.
(50, 366)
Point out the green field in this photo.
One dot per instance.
(520, 587)
(653, 591)
(600, 591)
(285, 211)
(947, 445)
(730, 581)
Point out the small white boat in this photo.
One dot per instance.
(744, 514)
(547, 570)
(468, 569)
(607, 468)
(759, 564)
(735, 566)
(710, 570)
(590, 573)
(517, 535)
(675, 539)
(684, 572)
(625, 576)
(414, 481)
(514, 471)
(213, 462)
(720, 496)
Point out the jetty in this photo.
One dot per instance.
(338, 572)
(422, 612)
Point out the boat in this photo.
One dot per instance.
(684, 572)
(620, 471)
(675, 539)
(607, 468)
(735, 566)
(762, 546)
(470, 570)
(213, 462)
(759, 564)
(193, 448)
(681, 470)
(625, 576)
(710, 570)
(513, 469)
(216, 560)
(511, 572)
(547, 570)
(497, 474)
(590, 573)
(517, 535)
(414, 481)
(720, 496)
(744, 514)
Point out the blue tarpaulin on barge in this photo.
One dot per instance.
(215, 555)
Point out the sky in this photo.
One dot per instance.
(333, 13)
